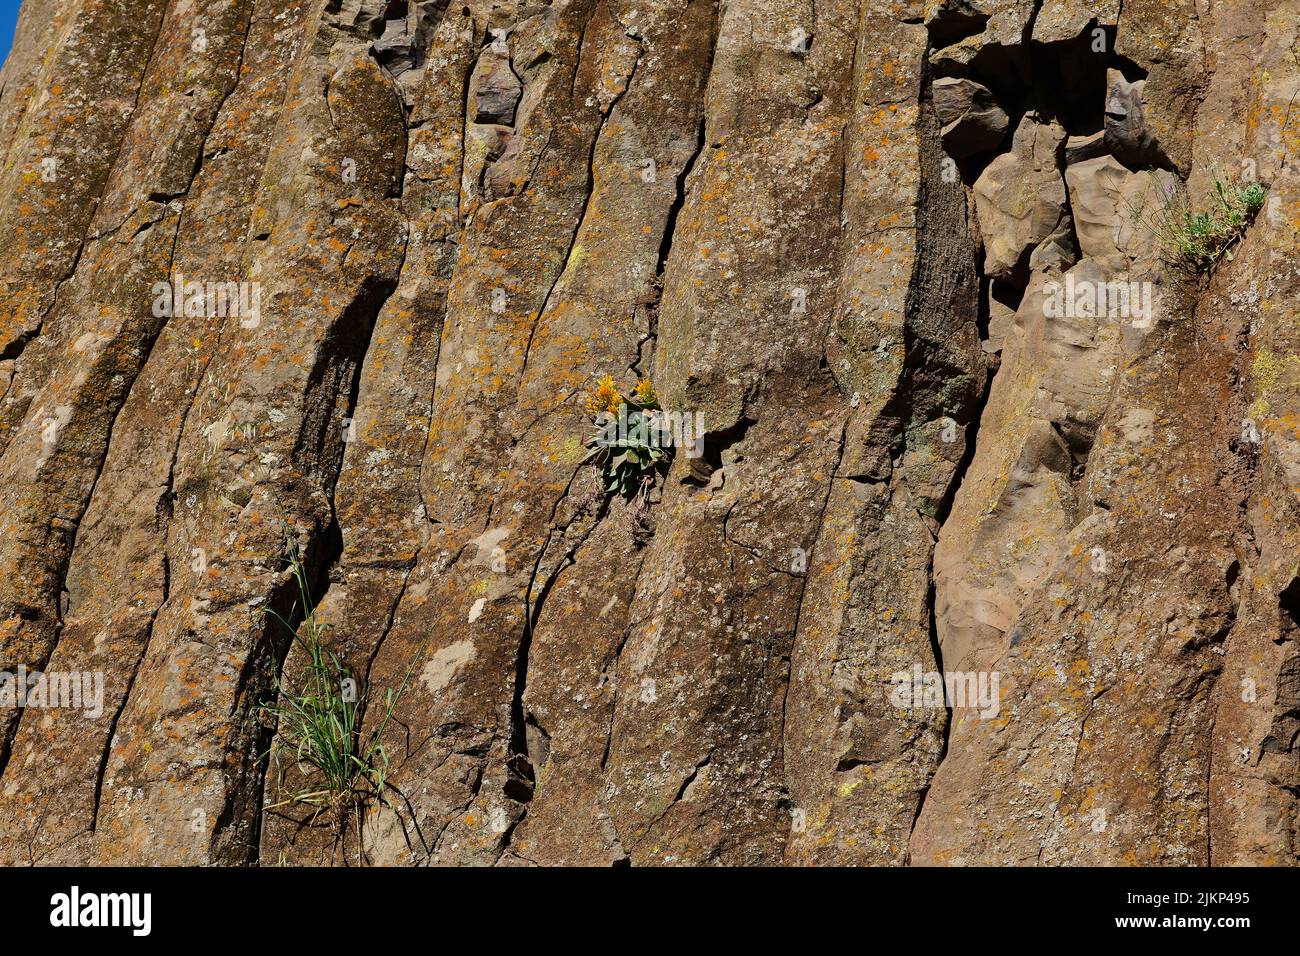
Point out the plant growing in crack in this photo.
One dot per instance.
(317, 719)
(627, 448)
(1197, 238)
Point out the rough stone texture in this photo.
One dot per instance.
(1021, 198)
(804, 222)
(1096, 190)
(1128, 137)
(972, 120)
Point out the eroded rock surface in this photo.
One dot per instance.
(336, 278)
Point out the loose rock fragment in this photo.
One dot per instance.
(496, 90)
(972, 120)
(1020, 197)
(1127, 135)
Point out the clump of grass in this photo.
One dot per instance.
(1197, 238)
(318, 726)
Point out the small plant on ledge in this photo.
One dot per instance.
(628, 448)
(1198, 238)
(317, 721)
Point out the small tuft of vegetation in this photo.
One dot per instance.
(628, 449)
(627, 445)
(318, 727)
(1197, 238)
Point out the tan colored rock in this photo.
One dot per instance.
(1067, 19)
(1096, 189)
(1018, 500)
(1020, 197)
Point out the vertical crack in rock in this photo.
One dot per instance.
(225, 816)
(581, 217)
(96, 430)
(38, 530)
(67, 73)
(1086, 428)
(355, 339)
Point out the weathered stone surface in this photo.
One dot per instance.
(1079, 148)
(971, 118)
(1255, 763)
(1020, 198)
(1096, 190)
(1067, 19)
(1128, 137)
(978, 35)
(925, 450)
(1167, 40)
(494, 90)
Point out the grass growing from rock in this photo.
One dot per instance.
(318, 726)
(1197, 238)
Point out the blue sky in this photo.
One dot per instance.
(8, 17)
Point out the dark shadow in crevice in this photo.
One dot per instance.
(955, 21)
(714, 444)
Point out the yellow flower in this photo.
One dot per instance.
(605, 398)
(645, 392)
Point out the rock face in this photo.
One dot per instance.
(336, 277)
